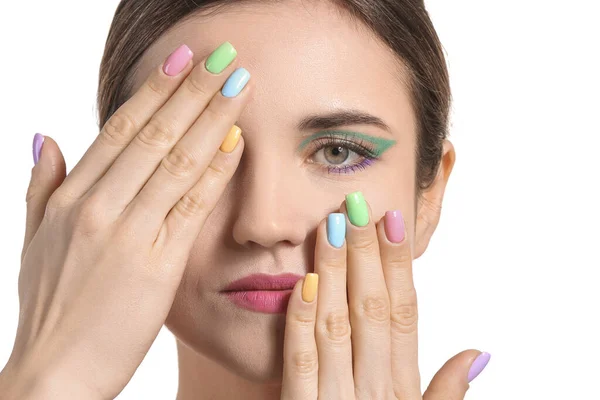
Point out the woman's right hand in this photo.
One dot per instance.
(104, 252)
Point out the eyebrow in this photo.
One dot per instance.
(341, 118)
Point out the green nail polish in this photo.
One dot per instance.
(358, 212)
(221, 58)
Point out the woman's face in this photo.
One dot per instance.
(313, 70)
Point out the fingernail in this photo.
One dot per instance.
(236, 82)
(38, 141)
(177, 61)
(336, 229)
(358, 212)
(231, 140)
(478, 365)
(309, 287)
(394, 226)
(220, 58)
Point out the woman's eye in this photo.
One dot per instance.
(342, 156)
(336, 155)
(344, 152)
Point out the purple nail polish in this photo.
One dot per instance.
(38, 141)
(478, 365)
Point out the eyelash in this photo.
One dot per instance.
(363, 148)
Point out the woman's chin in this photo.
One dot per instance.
(246, 364)
(251, 348)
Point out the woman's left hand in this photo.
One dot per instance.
(379, 360)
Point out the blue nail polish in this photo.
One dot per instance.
(336, 229)
(236, 82)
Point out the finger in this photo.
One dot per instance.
(189, 160)
(333, 324)
(124, 125)
(300, 358)
(451, 382)
(186, 219)
(181, 138)
(369, 303)
(46, 177)
(397, 267)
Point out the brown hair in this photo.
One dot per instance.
(403, 25)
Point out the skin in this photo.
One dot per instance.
(131, 236)
(263, 223)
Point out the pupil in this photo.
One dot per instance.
(337, 155)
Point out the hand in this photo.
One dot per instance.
(105, 251)
(362, 345)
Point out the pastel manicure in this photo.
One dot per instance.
(38, 141)
(231, 140)
(358, 212)
(478, 365)
(236, 82)
(394, 226)
(310, 287)
(336, 229)
(178, 60)
(220, 58)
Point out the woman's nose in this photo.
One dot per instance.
(270, 210)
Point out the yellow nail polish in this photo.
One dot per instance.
(309, 288)
(232, 139)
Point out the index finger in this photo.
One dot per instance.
(127, 121)
(396, 259)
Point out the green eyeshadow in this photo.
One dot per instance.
(380, 144)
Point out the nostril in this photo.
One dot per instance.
(267, 234)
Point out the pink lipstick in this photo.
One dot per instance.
(262, 292)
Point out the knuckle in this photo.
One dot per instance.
(59, 199)
(33, 191)
(118, 129)
(179, 163)
(89, 216)
(365, 245)
(299, 320)
(214, 114)
(195, 86)
(192, 203)
(305, 362)
(404, 316)
(374, 308)
(156, 133)
(157, 86)
(333, 264)
(399, 260)
(218, 170)
(335, 327)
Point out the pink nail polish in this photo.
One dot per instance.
(178, 60)
(394, 226)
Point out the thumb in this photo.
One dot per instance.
(47, 175)
(451, 382)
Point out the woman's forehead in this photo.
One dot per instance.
(303, 59)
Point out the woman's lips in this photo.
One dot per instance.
(263, 293)
(265, 301)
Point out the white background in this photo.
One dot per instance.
(512, 268)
